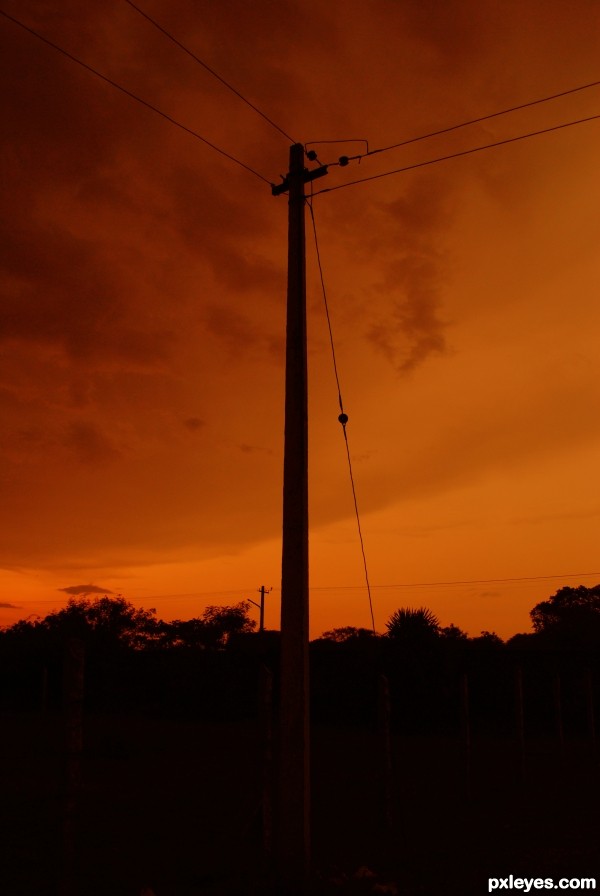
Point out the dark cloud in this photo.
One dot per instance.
(84, 590)
(220, 226)
(88, 443)
(60, 290)
(414, 330)
(55, 109)
(230, 326)
(88, 154)
(139, 265)
(206, 209)
(241, 332)
(237, 35)
(415, 274)
(252, 449)
(194, 424)
(7, 606)
(248, 271)
(452, 35)
(80, 193)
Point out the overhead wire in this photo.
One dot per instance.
(343, 417)
(147, 598)
(134, 96)
(464, 124)
(442, 583)
(567, 575)
(456, 155)
(436, 160)
(241, 591)
(208, 68)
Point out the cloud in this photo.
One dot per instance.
(144, 276)
(409, 325)
(414, 330)
(84, 590)
(193, 424)
(88, 443)
(252, 449)
(451, 36)
(230, 326)
(7, 606)
(65, 291)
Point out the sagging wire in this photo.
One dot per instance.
(343, 417)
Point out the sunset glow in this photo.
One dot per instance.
(143, 307)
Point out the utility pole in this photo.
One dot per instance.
(261, 606)
(294, 766)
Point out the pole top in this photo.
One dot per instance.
(307, 176)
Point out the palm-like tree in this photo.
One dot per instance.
(408, 624)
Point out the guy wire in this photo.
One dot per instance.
(343, 417)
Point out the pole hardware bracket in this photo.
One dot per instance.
(283, 187)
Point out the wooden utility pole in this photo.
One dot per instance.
(261, 606)
(294, 776)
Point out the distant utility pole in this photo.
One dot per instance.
(294, 775)
(261, 606)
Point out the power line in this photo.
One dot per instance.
(343, 418)
(209, 69)
(192, 595)
(133, 96)
(465, 124)
(568, 575)
(241, 591)
(464, 152)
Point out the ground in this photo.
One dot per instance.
(175, 806)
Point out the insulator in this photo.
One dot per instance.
(311, 154)
(343, 418)
(343, 160)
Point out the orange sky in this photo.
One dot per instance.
(143, 297)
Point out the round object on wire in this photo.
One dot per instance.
(343, 160)
(343, 418)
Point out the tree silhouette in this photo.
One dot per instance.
(453, 633)
(490, 639)
(408, 624)
(224, 623)
(571, 613)
(104, 621)
(348, 633)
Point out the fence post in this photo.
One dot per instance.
(44, 691)
(466, 732)
(385, 749)
(520, 720)
(558, 712)
(73, 682)
(266, 759)
(591, 716)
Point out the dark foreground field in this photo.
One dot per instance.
(175, 806)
